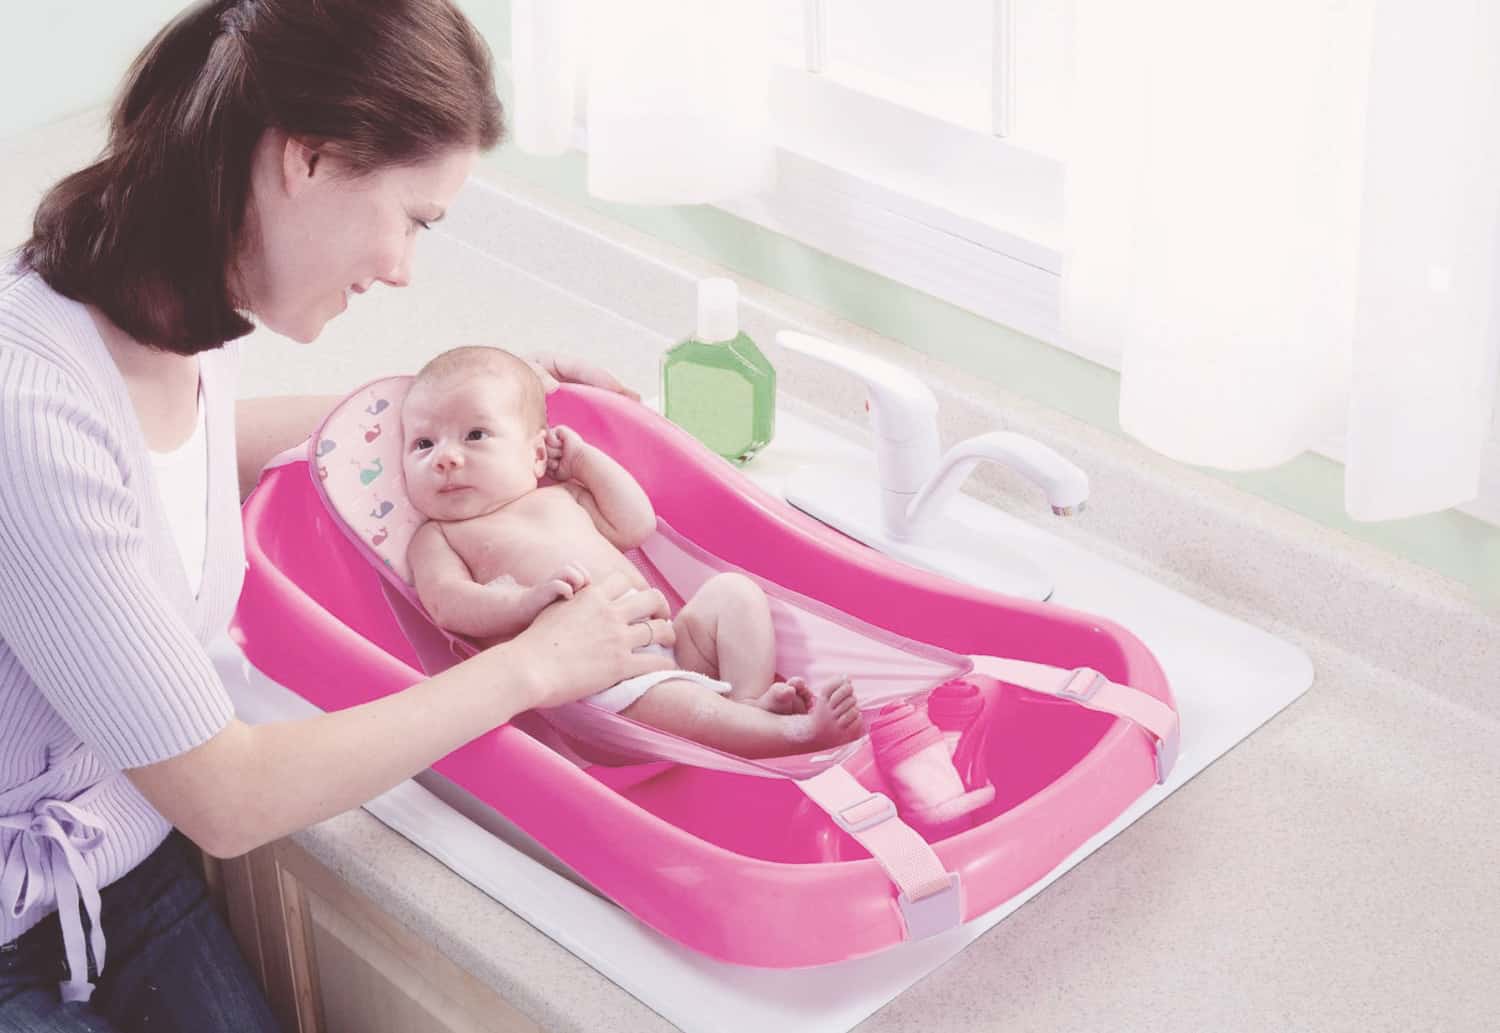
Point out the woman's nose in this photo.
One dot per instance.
(400, 276)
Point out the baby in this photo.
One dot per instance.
(498, 547)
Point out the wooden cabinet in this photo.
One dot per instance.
(333, 962)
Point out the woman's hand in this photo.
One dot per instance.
(583, 645)
(553, 368)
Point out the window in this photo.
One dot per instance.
(944, 66)
(922, 142)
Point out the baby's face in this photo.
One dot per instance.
(466, 452)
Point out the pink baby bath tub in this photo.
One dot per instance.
(743, 864)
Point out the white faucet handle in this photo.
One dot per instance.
(903, 422)
(902, 408)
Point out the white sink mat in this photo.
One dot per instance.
(1229, 678)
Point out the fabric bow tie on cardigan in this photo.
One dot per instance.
(53, 839)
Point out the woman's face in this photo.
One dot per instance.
(315, 236)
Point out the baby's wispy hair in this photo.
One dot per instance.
(472, 361)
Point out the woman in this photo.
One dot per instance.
(265, 157)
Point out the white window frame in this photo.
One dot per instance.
(964, 215)
(870, 181)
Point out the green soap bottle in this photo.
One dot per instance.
(717, 385)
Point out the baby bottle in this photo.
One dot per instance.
(717, 385)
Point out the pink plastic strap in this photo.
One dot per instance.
(898, 731)
(929, 897)
(1087, 687)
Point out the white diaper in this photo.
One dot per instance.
(623, 693)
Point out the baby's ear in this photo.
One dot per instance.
(539, 453)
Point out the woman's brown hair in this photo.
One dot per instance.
(149, 232)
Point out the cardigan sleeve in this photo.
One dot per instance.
(78, 605)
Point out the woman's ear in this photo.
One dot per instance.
(301, 159)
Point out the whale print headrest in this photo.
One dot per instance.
(356, 458)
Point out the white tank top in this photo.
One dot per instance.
(182, 479)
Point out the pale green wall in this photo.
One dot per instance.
(59, 57)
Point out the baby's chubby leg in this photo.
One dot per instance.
(696, 712)
(724, 631)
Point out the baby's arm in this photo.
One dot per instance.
(618, 505)
(459, 604)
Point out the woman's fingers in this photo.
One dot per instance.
(544, 372)
(662, 633)
(644, 662)
(574, 370)
(615, 585)
(643, 606)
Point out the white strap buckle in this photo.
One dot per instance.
(1083, 684)
(1166, 755)
(935, 913)
(865, 814)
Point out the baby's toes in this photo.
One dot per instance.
(782, 698)
(806, 697)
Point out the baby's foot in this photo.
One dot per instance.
(786, 697)
(834, 717)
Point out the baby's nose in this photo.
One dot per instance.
(448, 459)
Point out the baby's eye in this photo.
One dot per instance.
(478, 434)
(421, 445)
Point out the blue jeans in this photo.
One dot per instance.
(170, 962)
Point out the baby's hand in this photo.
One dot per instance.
(566, 580)
(564, 446)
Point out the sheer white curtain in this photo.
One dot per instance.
(1283, 216)
(677, 93)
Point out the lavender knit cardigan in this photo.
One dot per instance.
(102, 658)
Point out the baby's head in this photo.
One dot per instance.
(473, 433)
